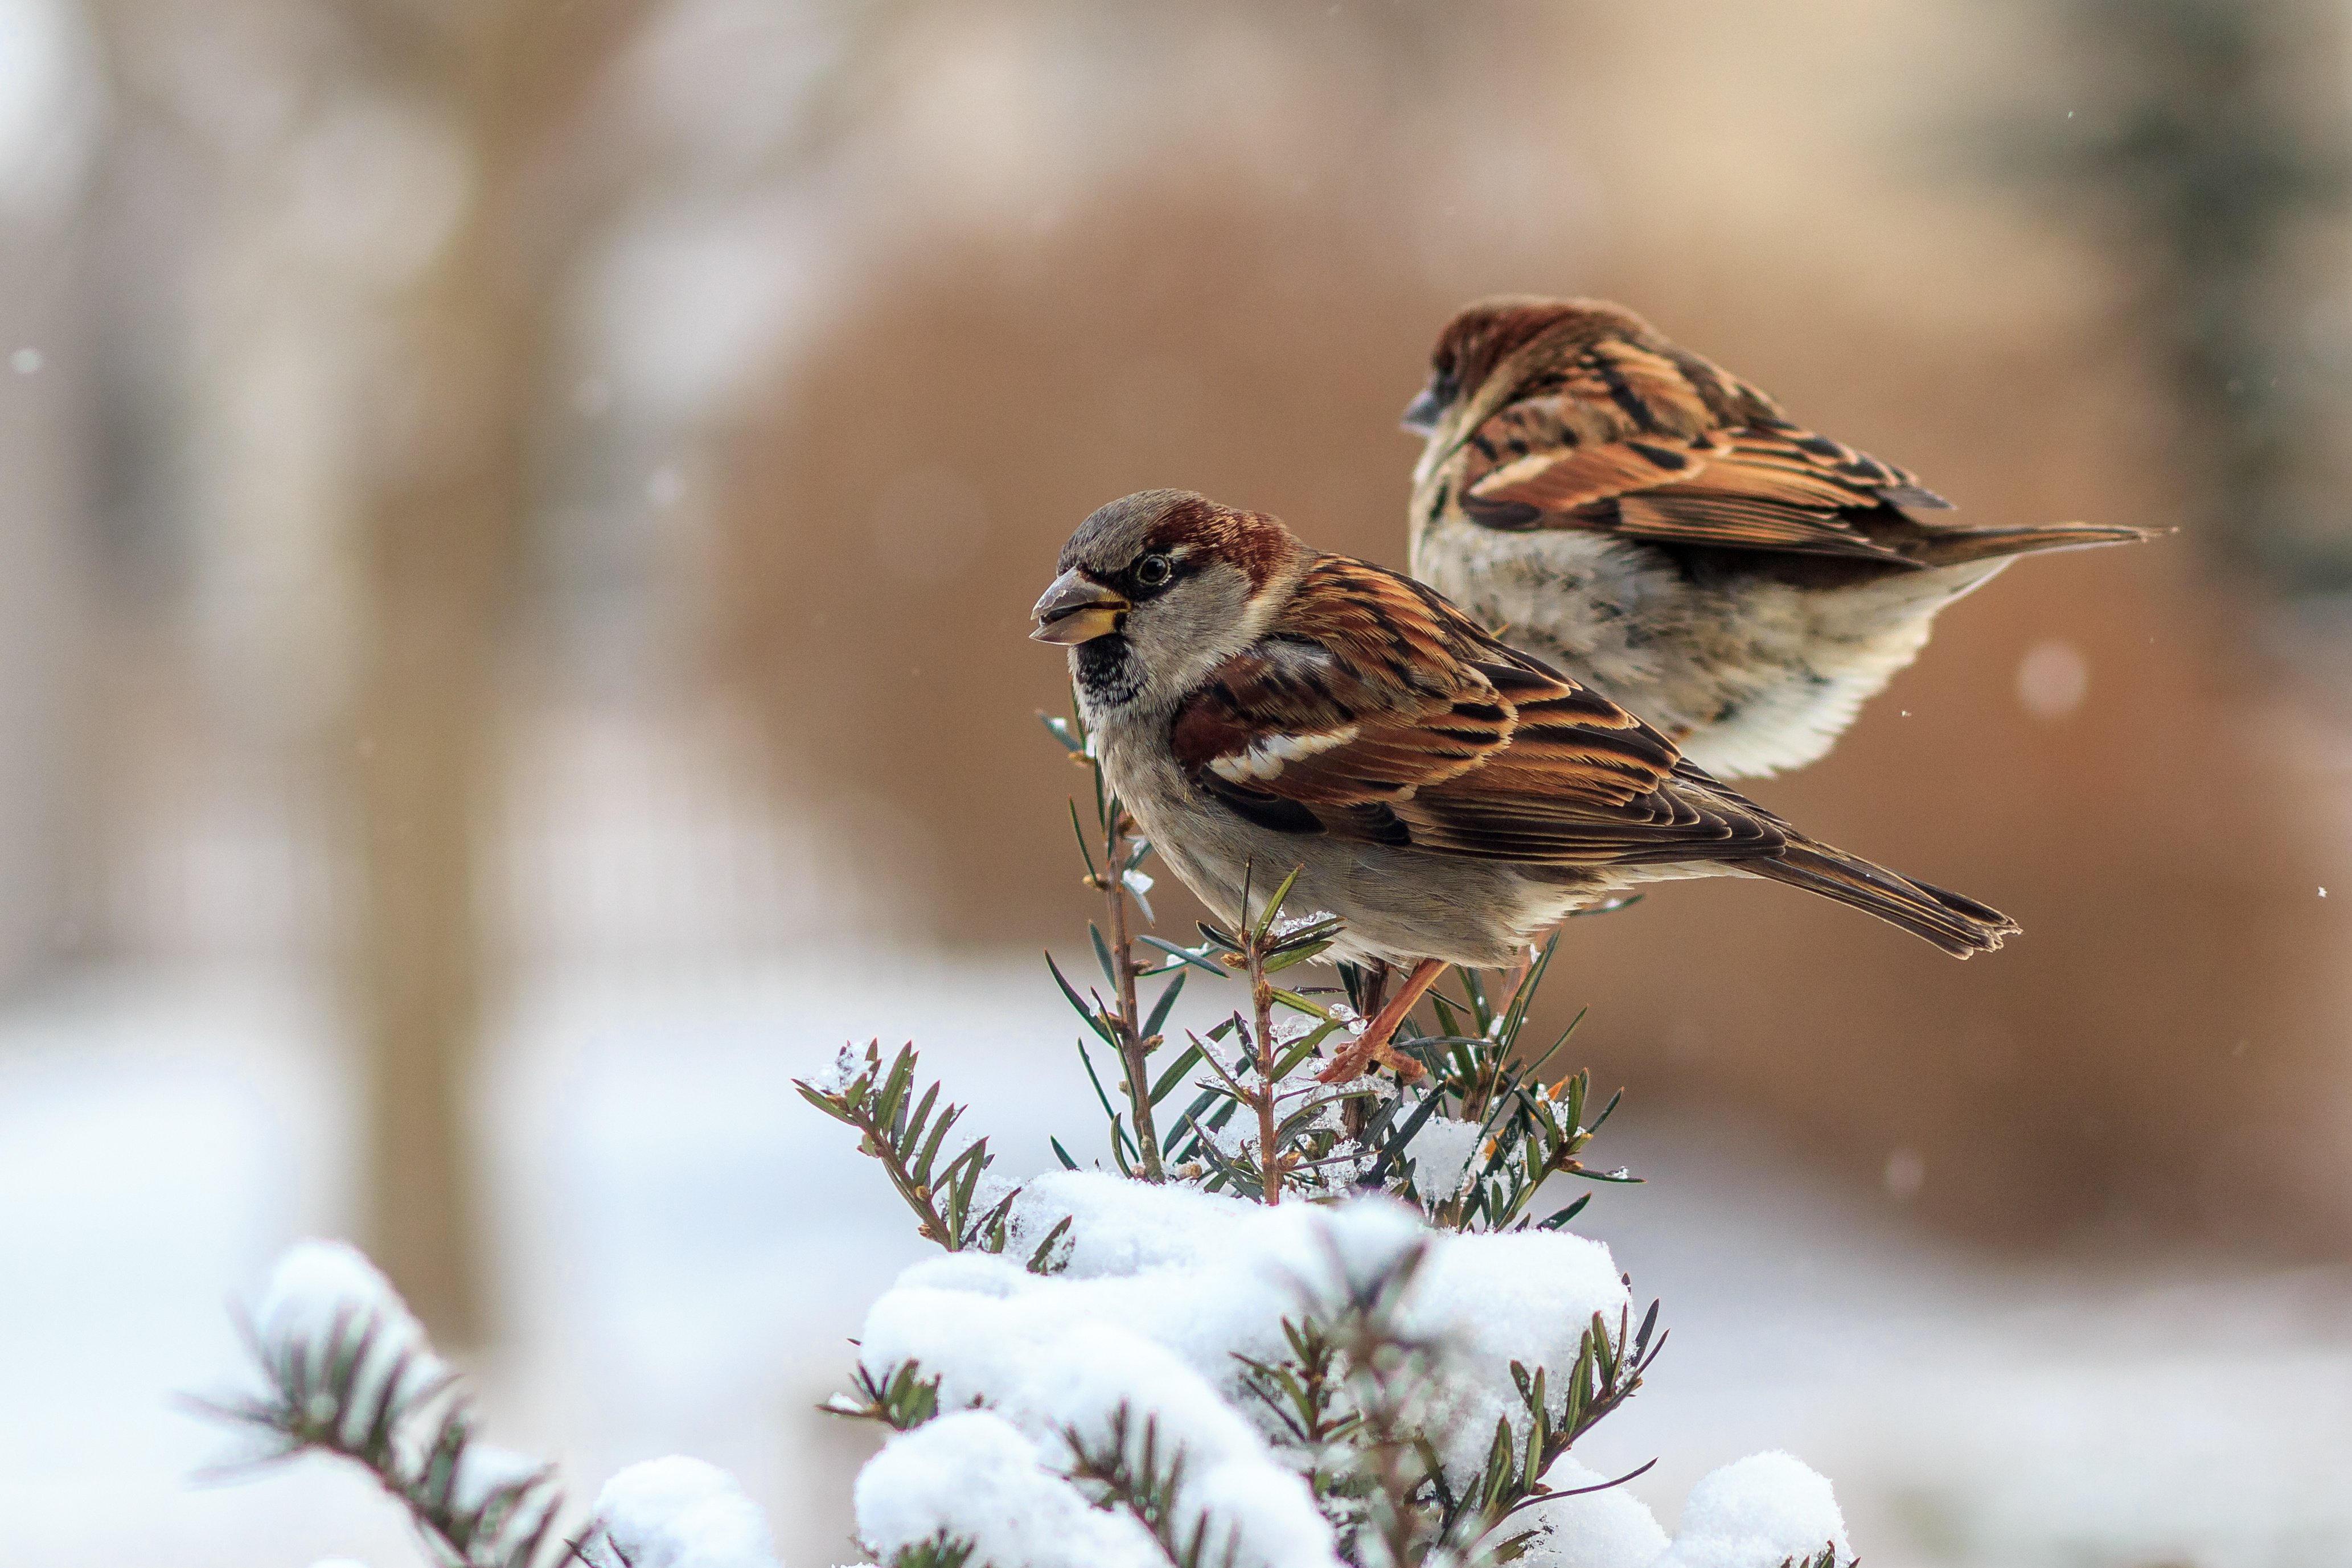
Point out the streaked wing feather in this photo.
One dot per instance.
(1456, 743)
(1644, 445)
(1650, 393)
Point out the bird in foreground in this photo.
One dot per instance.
(1260, 706)
(1655, 526)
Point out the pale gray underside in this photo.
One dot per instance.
(1750, 677)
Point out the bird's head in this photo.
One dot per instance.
(1497, 351)
(1158, 588)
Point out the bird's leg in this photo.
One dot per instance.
(1356, 1111)
(1359, 1054)
(1518, 975)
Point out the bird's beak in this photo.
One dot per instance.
(1077, 609)
(1421, 414)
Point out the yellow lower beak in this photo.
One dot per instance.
(1077, 609)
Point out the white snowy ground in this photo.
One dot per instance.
(685, 1247)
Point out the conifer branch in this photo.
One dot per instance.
(1128, 1471)
(1827, 1557)
(902, 1399)
(1119, 1022)
(943, 1550)
(370, 1391)
(908, 1140)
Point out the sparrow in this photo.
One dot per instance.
(1654, 526)
(1261, 706)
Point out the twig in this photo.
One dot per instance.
(1262, 1002)
(907, 1141)
(1133, 1048)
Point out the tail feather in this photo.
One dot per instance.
(1959, 925)
(1958, 546)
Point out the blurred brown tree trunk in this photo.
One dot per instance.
(447, 423)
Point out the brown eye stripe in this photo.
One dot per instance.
(1195, 528)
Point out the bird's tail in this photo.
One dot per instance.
(1961, 926)
(1958, 546)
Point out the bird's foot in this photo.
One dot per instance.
(1358, 1055)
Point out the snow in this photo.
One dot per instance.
(840, 1073)
(677, 1514)
(974, 1477)
(1494, 1299)
(1608, 1528)
(1760, 1512)
(319, 1286)
(1047, 1356)
(1443, 1152)
(1757, 1513)
(1164, 1288)
(486, 1468)
(320, 1290)
(682, 1245)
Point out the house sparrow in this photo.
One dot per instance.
(1630, 513)
(1259, 705)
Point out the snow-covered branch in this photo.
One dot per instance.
(347, 1371)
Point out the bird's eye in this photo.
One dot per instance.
(1154, 570)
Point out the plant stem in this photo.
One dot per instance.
(1269, 1157)
(1132, 1047)
(927, 1221)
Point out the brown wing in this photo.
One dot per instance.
(1647, 441)
(1375, 711)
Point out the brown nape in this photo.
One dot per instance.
(1483, 335)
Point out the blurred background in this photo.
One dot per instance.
(518, 526)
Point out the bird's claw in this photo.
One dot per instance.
(1357, 1058)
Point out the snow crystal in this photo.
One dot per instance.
(1443, 1152)
(677, 1513)
(1757, 1513)
(841, 1074)
(973, 1476)
(322, 1289)
(1608, 1528)
(1291, 1028)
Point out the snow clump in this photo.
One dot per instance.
(1164, 1288)
(324, 1293)
(1608, 1529)
(1443, 1152)
(1757, 1514)
(677, 1514)
(973, 1476)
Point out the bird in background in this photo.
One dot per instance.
(1260, 705)
(1656, 528)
